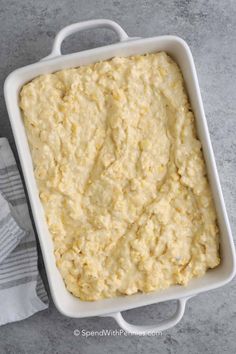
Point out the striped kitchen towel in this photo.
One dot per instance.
(10, 232)
(22, 291)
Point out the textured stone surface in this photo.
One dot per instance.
(27, 30)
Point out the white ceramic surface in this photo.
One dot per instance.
(64, 301)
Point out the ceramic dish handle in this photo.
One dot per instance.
(155, 328)
(81, 26)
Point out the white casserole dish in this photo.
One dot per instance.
(66, 303)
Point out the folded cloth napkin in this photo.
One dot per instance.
(10, 232)
(22, 291)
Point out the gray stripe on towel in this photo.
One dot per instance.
(8, 170)
(16, 282)
(34, 270)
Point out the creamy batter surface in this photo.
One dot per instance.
(121, 176)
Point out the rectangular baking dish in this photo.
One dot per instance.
(66, 303)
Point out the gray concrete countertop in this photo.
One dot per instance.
(27, 30)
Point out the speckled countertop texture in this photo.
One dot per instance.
(27, 29)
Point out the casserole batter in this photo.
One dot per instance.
(121, 176)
